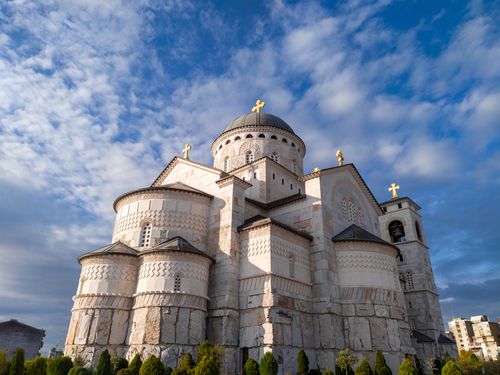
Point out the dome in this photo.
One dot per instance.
(260, 118)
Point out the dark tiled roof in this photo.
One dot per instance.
(278, 202)
(443, 339)
(420, 337)
(400, 200)
(260, 119)
(114, 248)
(259, 220)
(356, 233)
(15, 324)
(177, 244)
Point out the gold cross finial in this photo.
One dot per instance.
(259, 104)
(185, 151)
(394, 189)
(340, 157)
(316, 170)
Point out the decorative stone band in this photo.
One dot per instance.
(102, 301)
(162, 299)
(371, 295)
(281, 284)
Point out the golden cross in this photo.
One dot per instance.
(185, 151)
(259, 104)
(316, 170)
(340, 157)
(394, 189)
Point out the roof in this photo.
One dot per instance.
(356, 233)
(259, 220)
(177, 244)
(443, 339)
(420, 337)
(278, 202)
(15, 324)
(117, 247)
(259, 118)
(400, 200)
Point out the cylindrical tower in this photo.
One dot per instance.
(170, 303)
(103, 301)
(254, 135)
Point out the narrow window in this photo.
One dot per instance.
(177, 283)
(274, 176)
(294, 166)
(249, 136)
(293, 144)
(291, 265)
(400, 205)
(282, 181)
(385, 209)
(254, 174)
(262, 136)
(220, 146)
(291, 186)
(284, 140)
(227, 164)
(237, 138)
(248, 157)
(417, 228)
(275, 157)
(273, 137)
(397, 231)
(145, 240)
(228, 141)
(300, 191)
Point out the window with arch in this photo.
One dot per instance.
(274, 137)
(293, 144)
(145, 240)
(262, 136)
(220, 146)
(237, 138)
(177, 282)
(248, 157)
(397, 231)
(294, 166)
(284, 140)
(417, 229)
(249, 136)
(227, 164)
(228, 141)
(275, 157)
(291, 265)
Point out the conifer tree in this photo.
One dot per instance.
(302, 363)
(118, 363)
(104, 364)
(268, 365)
(407, 368)
(59, 366)
(251, 367)
(451, 368)
(364, 368)
(381, 367)
(209, 365)
(36, 366)
(4, 364)
(345, 360)
(135, 365)
(152, 366)
(17, 364)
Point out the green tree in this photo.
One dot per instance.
(36, 366)
(469, 363)
(364, 368)
(434, 365)
(152, 366)
(78, 362)
(59, 366)
(17, 364)
(187, 363)
(407, 368)
(207, 349)
(209, 365)
(451, 368)
(79, 371)
(135, 365)
(4, 364)
(103, 364)
(339, 371)
(380, 364)
(168, 370)
(124, 371)
(345, 360)
(268, 365)
(118, 363)
(251, 367)
(302, 363)
(328, 372)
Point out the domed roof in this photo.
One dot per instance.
(258, 118)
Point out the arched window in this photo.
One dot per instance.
(177, 282)
(228, 141)
(145, 240)
(237, 138)
(293, 144)
(220, 146)
(248, 157)
(417, 229)
(227, 164)
(249, 136)
(291, 265)
(397, 231)
(284, 140)
(294, 166)
(275, 157)
(262, 136)
(274, 137)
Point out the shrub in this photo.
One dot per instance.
(103, 364)
(328, 372)
(17, 364)
(4, 364)
(268, 365)
(345, 360)
(152, 366)
(314, 371)
(251, 367)
(79, 371)
(385, 371)
(118, 363)
(135, 365)
(407, 368)
(59, 366)
(451, 368)
(339, 371)
(36, 366)
(186, 363)
(209, 365)
(364, 368)
(302, 363)
(381, 367)
(207, 349)
(168, 370)
(124, 371)
(78, 362)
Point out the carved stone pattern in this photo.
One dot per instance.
(285, 248)
(250, 146)
(166, 219)
(255, 247)
(86, 301)
(170, 299)
(108, 271)
(289, 286)
(377, 295)
(351, 212)
(169, 269)
(370, 261)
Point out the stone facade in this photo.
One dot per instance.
(256, 256)
(14, 334)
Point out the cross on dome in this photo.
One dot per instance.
(185, 151)
(259, 104)
(394, 189)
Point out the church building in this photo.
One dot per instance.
(257, 256)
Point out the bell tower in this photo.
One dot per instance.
(402, 226)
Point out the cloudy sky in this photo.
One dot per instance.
(96, 97)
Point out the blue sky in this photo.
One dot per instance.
(96, 97)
